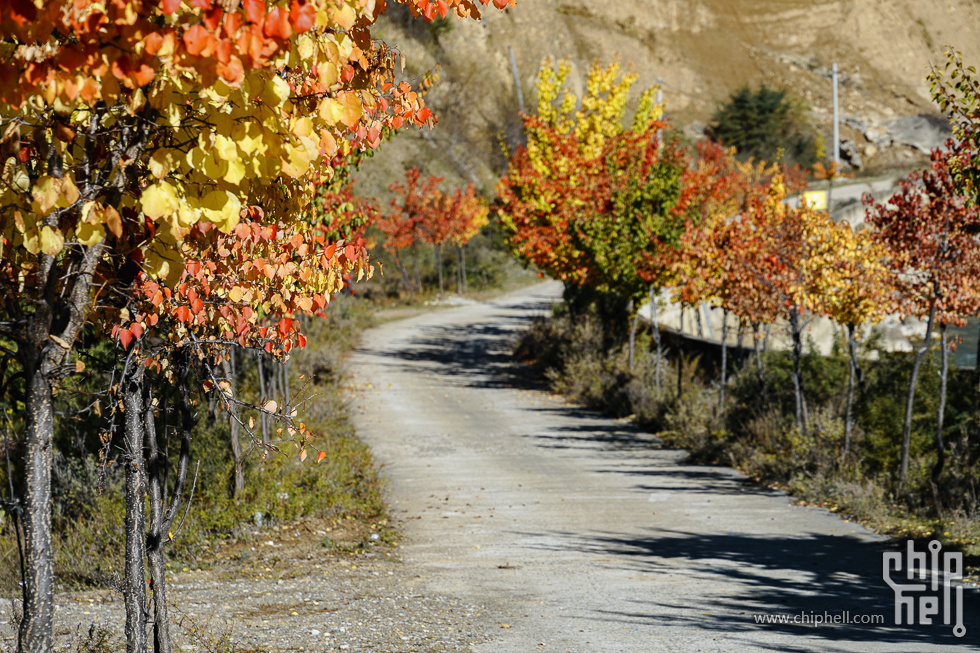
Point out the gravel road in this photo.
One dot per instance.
(578, 533)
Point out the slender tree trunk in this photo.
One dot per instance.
(264, 396)
(795, 330)
(632, 342)
(910, 397)
(462, 256)
(724, 360)
(163, 509)
(937, 469)
(759, 369)
(234, 426)
(657, 339)
(415, 266)
(680, 358)
(133, 435)
(287, 393)
(459, 270)
(851, 378)
(439, 265)
(697, 313)
(35, 633)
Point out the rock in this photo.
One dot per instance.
(870, 150)
(849, 153)
(695, 130)
(923, 132)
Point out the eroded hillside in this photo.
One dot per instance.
(702, 49)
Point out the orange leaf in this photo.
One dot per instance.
(196, 39)
(254, 10)
(303, 16)
(125, 337)
(277, 24)
(320, 456)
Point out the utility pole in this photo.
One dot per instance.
(517, 79)
(660, 99)
(830, 187)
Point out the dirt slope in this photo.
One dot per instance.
(702, 49)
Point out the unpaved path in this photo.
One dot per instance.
(577, 533)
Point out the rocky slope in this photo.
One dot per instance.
(702, 49)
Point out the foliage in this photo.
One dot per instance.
(768, 125)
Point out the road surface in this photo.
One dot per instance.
(579, 533)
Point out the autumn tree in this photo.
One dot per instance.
(929, 230)
(589, 196)
(126, 125)
(405, 226)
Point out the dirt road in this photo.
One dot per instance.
(579, 534)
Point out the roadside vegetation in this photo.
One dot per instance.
(623, 215)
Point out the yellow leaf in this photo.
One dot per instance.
(222, 209)
(297, 163)
(330, 111)
(159, 200)
(225, 148)
(270, 406)
(52, 240)
(89, 234)
(46, 191)
(79, 366)
(276, 91)
(235, 173)
(235, 294)
(162, 163)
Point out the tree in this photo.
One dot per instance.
(588, 197)
(930, 235)
(407, 224)
(767, 125)
(127, 124)
(854, 285)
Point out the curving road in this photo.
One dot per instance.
(578, 533)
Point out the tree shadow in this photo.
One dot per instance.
(746, 575)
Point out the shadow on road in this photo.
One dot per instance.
(775, 575)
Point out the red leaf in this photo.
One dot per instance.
(183, 313)
(169, 6)
(125, 337)
(277, 24)
(212, 17)
(254, 10)
(196, 39)
(136, 329)
(320, 456)
(350, 252)
(303, 16)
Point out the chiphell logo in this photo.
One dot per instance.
(937, 594)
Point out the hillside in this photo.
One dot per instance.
(702, 49)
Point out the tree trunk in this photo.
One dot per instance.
(459, 270)
(795, 330)
(851, 378)
(163, 509)
(439, 265)
(937, 469)
(415, 266)
(724, 361)
(910, 397)
(234, 425)
(462, 256)
(287, 393)
(656, 337)
(632, 342)
(133, 435)
(264, 396)
(39, 356)
(35, 633)
(759, 369)
(680, 358)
